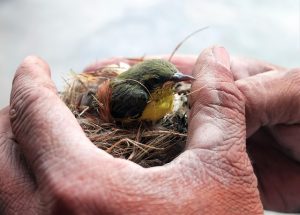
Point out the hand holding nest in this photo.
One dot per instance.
(48, 165)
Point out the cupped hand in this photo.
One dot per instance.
(273, 124)
(66, 174)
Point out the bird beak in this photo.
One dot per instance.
(178, 77)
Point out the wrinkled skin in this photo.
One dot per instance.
(48, 166)
(272, 95)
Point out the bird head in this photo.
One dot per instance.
(154, 73)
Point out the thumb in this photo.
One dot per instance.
(216, 147)
(45, 128)
(217, 116)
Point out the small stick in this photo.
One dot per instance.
(185, 39)
(196, 90)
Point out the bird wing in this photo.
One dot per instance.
(128, 100)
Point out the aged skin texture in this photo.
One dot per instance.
(46, 160)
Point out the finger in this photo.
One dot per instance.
(242, 67)
(185, 63)
(16, 184)
(271, 98)
(46, 130)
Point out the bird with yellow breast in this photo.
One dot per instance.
(145, 92)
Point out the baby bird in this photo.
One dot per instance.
(145, 92)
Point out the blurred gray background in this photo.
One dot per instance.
(70, 34)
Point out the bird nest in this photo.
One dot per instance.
(145, 143)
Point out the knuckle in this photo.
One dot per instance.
(222, 96)
(230, 96)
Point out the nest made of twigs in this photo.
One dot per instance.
(146, 144)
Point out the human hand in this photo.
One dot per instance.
(67, 174)
(272, 116)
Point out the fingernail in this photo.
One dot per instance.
(221, 56)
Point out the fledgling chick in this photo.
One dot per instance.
(145, 92)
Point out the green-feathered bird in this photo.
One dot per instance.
(144, 92)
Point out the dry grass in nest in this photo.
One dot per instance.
(145, 144)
